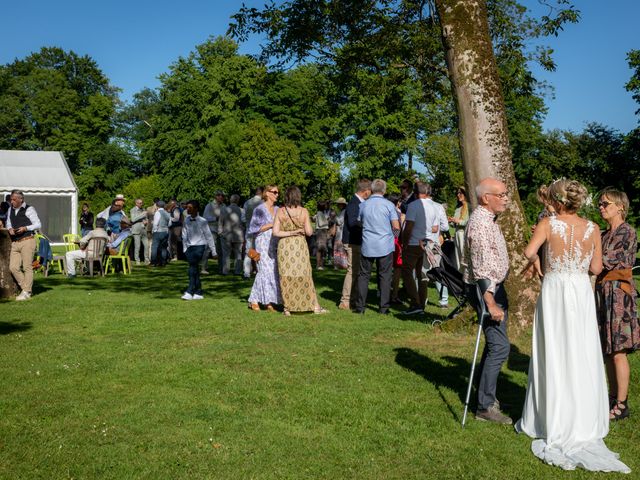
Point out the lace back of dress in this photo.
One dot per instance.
(570, 247)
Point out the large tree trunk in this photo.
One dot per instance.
(8, 286)
(484, 139)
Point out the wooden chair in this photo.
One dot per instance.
(122, 256)
(95, 253)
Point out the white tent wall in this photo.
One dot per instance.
(58, 213)
(48, 186)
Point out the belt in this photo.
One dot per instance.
(624, 276)
(23, 239)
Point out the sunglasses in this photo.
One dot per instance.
(275, 192)
(604, 204)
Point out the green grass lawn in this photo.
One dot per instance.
(117, 378)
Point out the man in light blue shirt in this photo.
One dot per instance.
(380, 224)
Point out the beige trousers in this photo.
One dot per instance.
(22, 259)
(353, 267)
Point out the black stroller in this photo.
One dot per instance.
(439, 266)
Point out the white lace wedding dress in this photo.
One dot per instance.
(566, 407)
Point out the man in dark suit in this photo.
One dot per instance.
(352, 241)
(408, 194)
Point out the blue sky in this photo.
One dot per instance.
(134, 41)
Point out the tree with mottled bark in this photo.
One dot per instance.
(8, 286)
(482, 126)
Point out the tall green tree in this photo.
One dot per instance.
(220, 120)
(633, 85)
(56, 100)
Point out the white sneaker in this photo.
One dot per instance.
(197, 297)
(23, 296)
(187, 296)
(204, 272)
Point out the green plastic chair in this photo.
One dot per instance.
(122, 256)
(69, 241)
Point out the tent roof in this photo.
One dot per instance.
(35, 172)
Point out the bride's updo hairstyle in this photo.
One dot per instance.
(569, 193)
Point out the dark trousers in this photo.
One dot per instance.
(496, 346)
(385, 276)
(159, 253)
(194, 257)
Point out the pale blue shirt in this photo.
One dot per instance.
(376, 215)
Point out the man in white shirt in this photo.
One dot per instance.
(443, 227)
(196, 236)
(422, 222)
(22, 223)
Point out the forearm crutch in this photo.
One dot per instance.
(481, 287)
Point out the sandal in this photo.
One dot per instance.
(619, 411)
(286, 313)
(270, 308)
(320, 311)
(255, 307)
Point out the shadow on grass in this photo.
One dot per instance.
(10, 327)
(518, 361)
(453, 373)
(157, 282)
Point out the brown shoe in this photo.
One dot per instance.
(493, 414)
(255, 307)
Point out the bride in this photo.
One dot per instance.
(566, 407)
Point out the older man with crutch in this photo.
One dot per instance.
(487, 266)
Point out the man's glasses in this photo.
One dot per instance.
(499, 195)
(604, 204)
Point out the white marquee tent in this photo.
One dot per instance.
(47, 184)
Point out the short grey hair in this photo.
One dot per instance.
(17, 192)
(235, 198)
(423, 188)
(379, 186)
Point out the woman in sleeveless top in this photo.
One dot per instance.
(616, 298)
(566, 409)
(292, 225)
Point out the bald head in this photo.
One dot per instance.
(492, 194)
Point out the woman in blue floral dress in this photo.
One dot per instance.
(266, 287)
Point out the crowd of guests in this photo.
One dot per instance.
(270, 233)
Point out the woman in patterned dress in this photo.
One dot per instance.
(266, 287)
(616, 298)
(291, 225)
